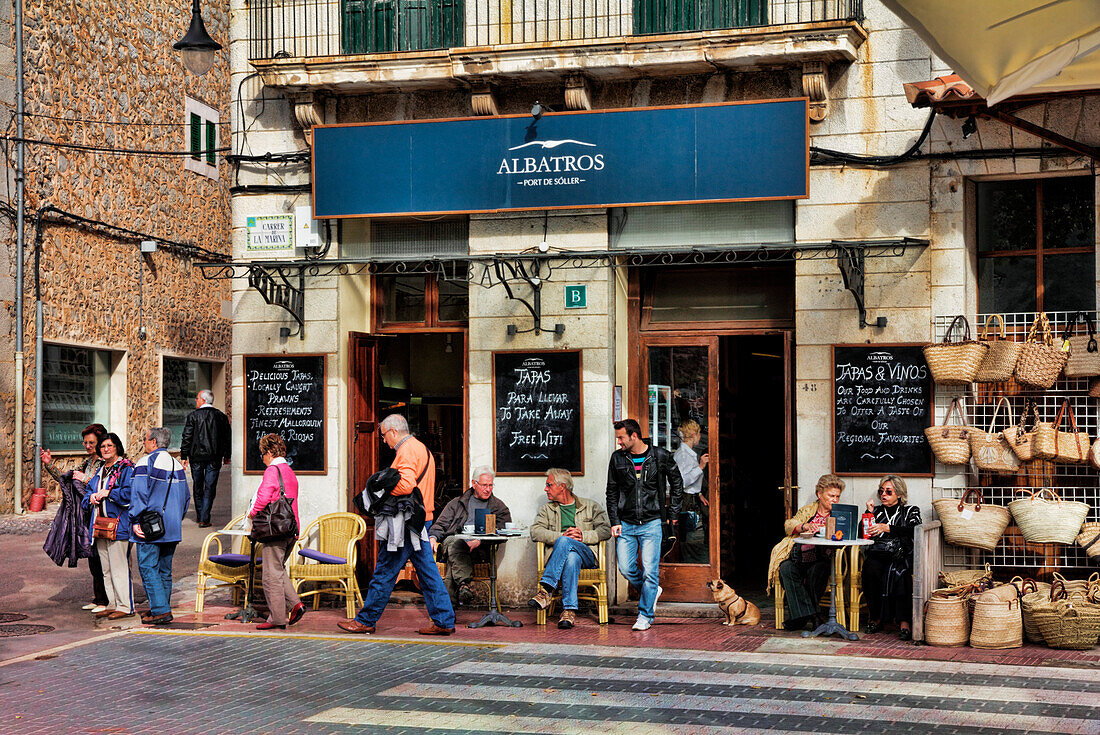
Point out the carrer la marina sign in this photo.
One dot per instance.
(667, 155)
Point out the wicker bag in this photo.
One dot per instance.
(1040, 362)
(1000, 360)
(947, 619)
(1044, 518)
(1037, 603)
(1089, 539)
(1072, 624)
(1084, 355)
(997, 620)
(1066, 447)
(1094, 454)
(978, 578)
(955, 362)
(1020, 437)
(951, 444)
(974, 525)
(1094, 387)
(990, 450)
(1077, 587)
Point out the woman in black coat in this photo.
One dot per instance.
(888, 563)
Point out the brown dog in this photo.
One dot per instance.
(737, 609)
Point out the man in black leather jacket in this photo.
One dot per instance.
(637, 478)
(206, 444)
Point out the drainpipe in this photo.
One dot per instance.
(20, 148)
(38, 343)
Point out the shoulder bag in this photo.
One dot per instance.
(951, 444)
(1020, 438)
(275, 520)
(991, 451)
(1000, 360)
(1065, 447)
(104, 527)
(955, 362)
(152, 521)
(1084, 356)
(1040, 362)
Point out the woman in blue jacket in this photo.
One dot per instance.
(109, 495)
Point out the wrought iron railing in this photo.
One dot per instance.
(312, 28)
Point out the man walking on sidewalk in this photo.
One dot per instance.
(206, 444)
(637, 476)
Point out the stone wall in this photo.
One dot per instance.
(103, 73)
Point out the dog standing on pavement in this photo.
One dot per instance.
(737, 609)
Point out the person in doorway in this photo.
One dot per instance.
(638, 476)
(108, 494)
(205, 446)
(278, 589)
(888, 563)
(572, 525)
(693, 516)
(84, 471)
(159, 484)
(803, 569)
(416, 469)
(458, 553)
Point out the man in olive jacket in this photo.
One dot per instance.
(572, 525)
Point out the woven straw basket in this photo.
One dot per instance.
(1031, 593)
(1044, 518)
(1040, 362)
(1066, 447)
(974, 525)
(1084, 352)
(997, 621)
(1071, 624)
(1079, 587)
(999, 361)
(1089, 539)
(991, 451)
(951, 444)
(979, 578)
(946, 620)
(955, 362)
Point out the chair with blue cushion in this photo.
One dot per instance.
(222, 563)
(325, 554)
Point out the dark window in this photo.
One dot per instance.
(75, 392)
(1036, 245)
(423, 301)
(401, 25)
(675, 16)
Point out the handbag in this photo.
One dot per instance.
(1065, 447)
(1020, 439)
(1040, 362)
(955, 362)
(990, 450)
(1084, 356)
(152, 521)
(1000, 360)
(104, 527)
(974, 525)
(951, 444)
(276, 519)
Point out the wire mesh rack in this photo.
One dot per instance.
(1070, 481)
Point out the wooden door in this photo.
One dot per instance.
(363, 426)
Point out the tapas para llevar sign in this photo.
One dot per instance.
(659, 155)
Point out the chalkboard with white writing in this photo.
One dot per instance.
(285, 395)
(882, 403)
(537, 412)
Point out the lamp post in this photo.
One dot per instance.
(197, 47)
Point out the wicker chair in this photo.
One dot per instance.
(223, 564)
(332, 563)
(592, 580)
(849, 592)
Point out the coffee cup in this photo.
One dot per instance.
(509, 526)
(468, 528)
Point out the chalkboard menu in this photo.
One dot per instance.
(882, 403)
(285, 395)
(537, 412)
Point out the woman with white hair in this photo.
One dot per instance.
(888, 563)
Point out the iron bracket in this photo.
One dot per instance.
(531, 272)
(852, 264)
(276, 289)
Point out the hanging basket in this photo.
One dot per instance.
(946, 619)
(1084, 352)
(1044, 518)
(997, 621)
(955, 361)
(999, 361)
(974, 525)
(991, 451)
(1089, 538)
(1065, 447)
(951, 443)
(1040, 361)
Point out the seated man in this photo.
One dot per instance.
(572, 525)
(456, 514)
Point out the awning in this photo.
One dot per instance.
(1004, 48)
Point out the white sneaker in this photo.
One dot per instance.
(642, 623)
(98, 608)
(90, 606)
(660, 589)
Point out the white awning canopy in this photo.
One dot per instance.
(1004, 48)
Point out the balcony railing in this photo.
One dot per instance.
(312, 28)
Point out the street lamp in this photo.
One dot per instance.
(197, 47)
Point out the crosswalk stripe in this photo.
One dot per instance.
(516, 723)
(700, 703)
(840, 685)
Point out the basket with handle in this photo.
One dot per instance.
(991, 451)
(1020, 437)
(947, 617)
(1073, 624)
(1065, 447)
(1037, 603)
(979, 579)
(1077, 586)
(1044, 518)
(951, 443)
(999, 361)
(1040, 361)
(1084, 353)
(974, 525)
(997, 620)
(1089, 539)
(956, 360)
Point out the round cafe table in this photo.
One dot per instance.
(492, 543)
(831, 626)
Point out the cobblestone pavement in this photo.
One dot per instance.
(191, 682)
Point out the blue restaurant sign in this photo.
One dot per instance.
(662, 155)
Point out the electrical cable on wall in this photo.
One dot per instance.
(108, 149)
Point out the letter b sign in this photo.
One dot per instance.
(576, 297)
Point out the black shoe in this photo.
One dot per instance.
(465, 594)
(905, 634)
(795, 623)
(873, 627)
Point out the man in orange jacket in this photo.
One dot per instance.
(416, 466)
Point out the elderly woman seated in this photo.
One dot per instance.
(802, 569)
(888, 564)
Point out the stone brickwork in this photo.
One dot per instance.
(103, 73)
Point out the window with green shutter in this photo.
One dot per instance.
(378, 26)
(211, 143)
(196, 137)
(680, 16)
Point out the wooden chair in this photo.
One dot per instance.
(331, 564)
(223, 564)
(592, 580)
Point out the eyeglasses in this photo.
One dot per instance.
(383, 432)
(552, 484)
(483, 484)
(886, 491)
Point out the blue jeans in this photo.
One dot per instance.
(566, 561)
(205, 477)
(385, 575)
(155, 565)
(646, 576)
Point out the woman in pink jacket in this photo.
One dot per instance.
(278, 589)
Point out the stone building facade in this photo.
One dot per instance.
(915, 219)
(126, 334)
